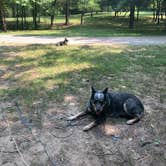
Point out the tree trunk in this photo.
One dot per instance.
(53, 13)
(165, 18)
(52, 21)
(82, 17)
(39, 10)
(67, 12)
(132, 11)
(91, 13)
(138, 8)
(25, 21)
(17, 21)
(154, 11)
(2, 20)
(35, 14)
(158, 12)
(22, 17)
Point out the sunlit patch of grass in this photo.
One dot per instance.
(47, 71)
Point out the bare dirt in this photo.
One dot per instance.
(142, 40)
(46, 138)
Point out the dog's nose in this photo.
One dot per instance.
(98, 108)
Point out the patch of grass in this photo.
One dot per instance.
(51, 72)
(101, 25)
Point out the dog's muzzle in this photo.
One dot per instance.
(98, 108)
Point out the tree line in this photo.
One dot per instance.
(21, 9)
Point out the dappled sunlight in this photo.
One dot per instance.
(111, 129)
(40, 73)
(69, 98)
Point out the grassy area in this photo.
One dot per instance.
(48, 72)
(102, 24)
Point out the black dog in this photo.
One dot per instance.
(62, 43)
(104, 103)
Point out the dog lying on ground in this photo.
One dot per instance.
(62, 43)
(103, 103)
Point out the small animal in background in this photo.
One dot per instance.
(62, 43)
(116, 104)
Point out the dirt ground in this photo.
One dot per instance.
(142, 40)
(46, 138)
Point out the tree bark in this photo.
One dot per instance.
(91, 13)
(138, 8)
(52, 21)
(34, 12)
(132, 12)
(3, 20)
(22, 17)
(154, 11)
(17, 21)
(67, 12)
(82, 17)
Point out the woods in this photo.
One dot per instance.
(20, 10)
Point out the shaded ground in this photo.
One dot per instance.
(156, 40)
(53, 141)
(37, 133)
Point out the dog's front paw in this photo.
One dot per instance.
(131, 121)
(89, 126)
(71, 118)
(86, 128)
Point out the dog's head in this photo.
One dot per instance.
(66, 40)
(98, 100)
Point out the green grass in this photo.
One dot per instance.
(48, 72)
(100, 25)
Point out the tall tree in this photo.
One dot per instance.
(3, 9)
(132, 13)
(50, 7)
(34, 4)
(67, 5)
(83, 5)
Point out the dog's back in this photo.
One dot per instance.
(118, 101)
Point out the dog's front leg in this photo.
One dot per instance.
(77, 116)
(89, 126)
(94, 123)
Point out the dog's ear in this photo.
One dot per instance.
(105, 90)
(93, 89)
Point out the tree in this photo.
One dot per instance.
(50, 7)
(88, 6)
(93, 6)
(67, 5)
(35, 4)
(132, 13)
(3, 10)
